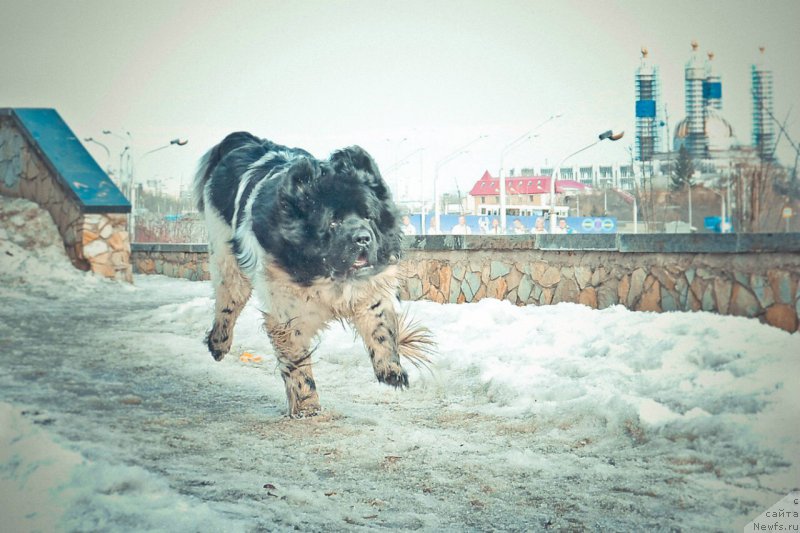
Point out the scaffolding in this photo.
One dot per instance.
(763, 125)
(648, 100)
(695, 78)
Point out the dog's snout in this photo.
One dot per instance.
(362, 237)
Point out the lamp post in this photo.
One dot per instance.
(503, 152)
(513, 144)
(173, 142)
(439, 165)
(104, 147)
(128, 140)
(610, 135)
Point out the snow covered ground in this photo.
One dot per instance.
(113, 416)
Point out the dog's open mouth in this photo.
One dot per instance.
(361, 262)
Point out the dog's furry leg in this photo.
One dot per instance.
(292, 343)
(231, 292)
(379, 326)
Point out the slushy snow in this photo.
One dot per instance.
(113, 416)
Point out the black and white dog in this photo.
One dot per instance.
(317, 240)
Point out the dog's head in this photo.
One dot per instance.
(334, 219)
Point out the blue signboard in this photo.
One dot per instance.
(712, 89)
(716, 225)
(645, 109)
(480, 225)
(63, 152)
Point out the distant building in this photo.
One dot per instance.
(525, 195)
(704, 132)
(648, 110)
(763, 124)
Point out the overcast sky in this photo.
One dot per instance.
(393, 77)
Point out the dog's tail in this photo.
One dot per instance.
(212, 158)
(415, 342)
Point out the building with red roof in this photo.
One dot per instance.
(525, 195)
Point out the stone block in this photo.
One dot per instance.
(473, 281)
(538, 269)
(498, 269)
(623, 288)
(651, 295)
(454, 291)
(637, 286)
(445, 275)
(513, 278)
(536, 294)
(118, 240)
(606, 296)
(669, 300)
(524, 288)
(119, 259)
(512, 297)
(566, 291)
(547, 296)
(583, 276)
(481, 294)
(89, 236)
(743, 302)
(762, 290)
(104, 269)
(459, 271)
(722, 293)
(497, 288)
(783, 286)
(551, 277)
(413, 285)
(782, 316)
(95, 248)
(588, 296)
(664, 277)
(707, 302)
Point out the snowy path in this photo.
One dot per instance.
(114, 416)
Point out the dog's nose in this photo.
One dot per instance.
(362, 238)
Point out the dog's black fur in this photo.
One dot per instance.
(318, 240)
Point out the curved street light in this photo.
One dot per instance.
(513, 144)
(173, 142)
(104, 147)
(439, 165)
(610, 135)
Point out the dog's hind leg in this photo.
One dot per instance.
(292, 342)
(378, 324)
(231, 292)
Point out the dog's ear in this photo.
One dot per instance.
(301, 178)
(356, 159)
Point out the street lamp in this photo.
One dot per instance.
(610, 135)
(503, 152)
(104, 147)
(173, 142)
(439, 165)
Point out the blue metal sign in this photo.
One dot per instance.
(645, 109)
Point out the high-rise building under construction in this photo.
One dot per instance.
(648, 109)
(763, 123)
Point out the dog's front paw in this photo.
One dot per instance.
(217, 347)
(394, 375)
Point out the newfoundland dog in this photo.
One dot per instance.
(317, 240)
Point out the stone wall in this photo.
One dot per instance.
(187, 261)
(93, 241)
(747, 275)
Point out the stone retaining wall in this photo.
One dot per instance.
(747, 275)
(93, 241)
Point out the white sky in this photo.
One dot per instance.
(326, 74)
